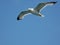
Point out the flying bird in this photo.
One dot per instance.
(35, 10)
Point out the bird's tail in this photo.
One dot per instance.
(42, 16)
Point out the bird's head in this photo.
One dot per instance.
(31, 9)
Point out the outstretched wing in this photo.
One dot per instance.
(42, 5)
(22, 14)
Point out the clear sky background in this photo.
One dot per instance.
(32, 30)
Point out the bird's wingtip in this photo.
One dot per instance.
(55, 2)
(18, 18)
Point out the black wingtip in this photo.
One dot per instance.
(18, 18)
(54, 2)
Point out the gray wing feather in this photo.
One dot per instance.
(22, 14)
(41, 5)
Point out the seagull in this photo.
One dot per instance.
(36, 11)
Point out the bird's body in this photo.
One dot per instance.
(35, 10)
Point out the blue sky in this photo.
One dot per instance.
(32, 30)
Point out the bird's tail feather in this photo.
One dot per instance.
(42, 16)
